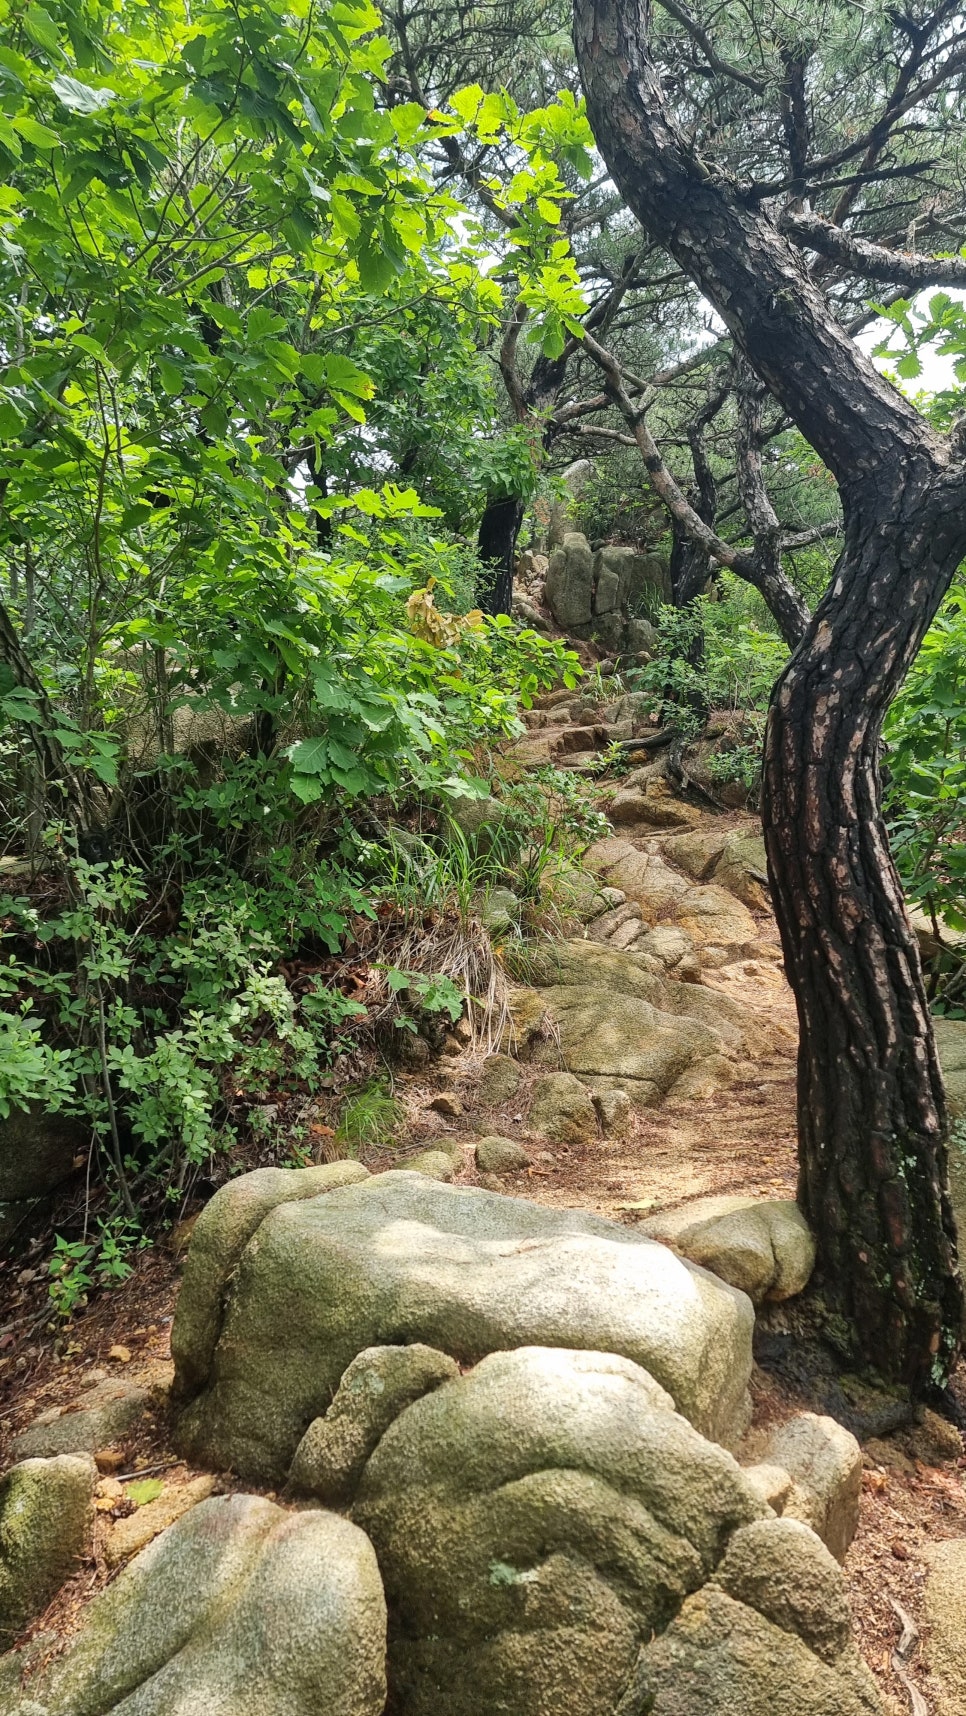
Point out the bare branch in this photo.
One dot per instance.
(508, 362)
(872, 261)
(663, 483)
(805, 538)
(698, 34)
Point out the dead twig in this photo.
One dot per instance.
(908, 1639)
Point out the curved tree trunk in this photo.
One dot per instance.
(871, 1112)
(871, 1107)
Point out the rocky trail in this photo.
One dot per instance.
(541, 1383)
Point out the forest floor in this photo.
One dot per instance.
(741, 1140)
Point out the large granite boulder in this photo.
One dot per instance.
(647, 805)
(540, 1520)
(824, 1462)
(711, 914)
(220, 1235)
(643, 1049)
(45, 1528)
(642, 876)
(697, 852)
(720, 1657)
(570, 584)
(399, 1258)
(625, 581)
(707, 912)
(628, 972)
(240, 1609)
(743, 869)
(762, 1245)
(602, 595)
(378, 1385)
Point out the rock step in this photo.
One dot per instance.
(584, 762)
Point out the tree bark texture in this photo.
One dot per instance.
(871, 1109)
(503, 515)
(497, 546)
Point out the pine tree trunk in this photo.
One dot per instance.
(872, 1120)
(871, 1108)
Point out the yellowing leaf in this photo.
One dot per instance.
(145, 1490)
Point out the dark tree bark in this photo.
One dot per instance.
(503, 514)
(497, 546)
(872, 1121)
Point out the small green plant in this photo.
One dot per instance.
(103, 1260)
(30, 1070)
(327, 1007)
(616, 761)
(144, 1490)
(741, 763)
(711, 655)
(426, 993)
(368, 1119)
(69, 1269)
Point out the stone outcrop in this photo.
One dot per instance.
(436, 1164)
(606, 1016)
(541, 1519)
(645, 1051)
(399, 1259)
(562, 1109)
(709, 914)
(499, 1080)
(629, 972)
(496, 1155)
(824, 1462)
(240, 1609)
(720, 1655)
(733, 858)
(100, 1416)
(220, 1235)
(762, 1245)
(604, 595)
(45, 1529)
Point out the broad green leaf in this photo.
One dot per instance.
(309, 756)
(41, 28)
(39, 135)
(308, 788)
(80, 97)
